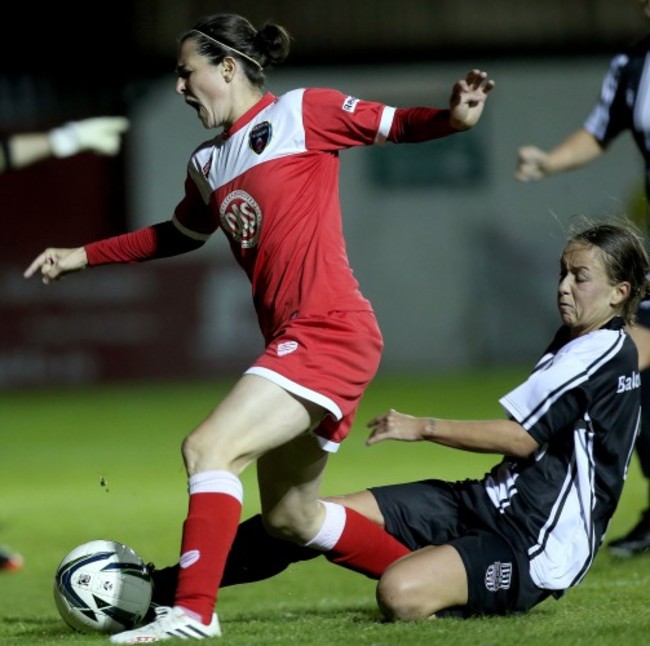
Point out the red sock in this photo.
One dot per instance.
(208, 533)
(365, 547)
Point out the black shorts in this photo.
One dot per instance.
(435, 512)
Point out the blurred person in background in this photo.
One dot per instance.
(530, 528)
(269, 181)
(102, 135)
(10, 560)
(624, 105)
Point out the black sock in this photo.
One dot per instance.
(255, 555)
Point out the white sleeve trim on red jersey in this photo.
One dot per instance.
(385, 125)
(188, 232)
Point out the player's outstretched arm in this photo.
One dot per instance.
(502, 436)
(468, 98)
(53, 263)
(101, 135)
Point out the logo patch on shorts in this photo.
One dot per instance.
(287, 348)
(498, 576)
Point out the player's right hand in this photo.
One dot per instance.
(531, 164)
(53, 263)
(395, 426)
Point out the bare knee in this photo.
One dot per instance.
(422, 583)
(401, 599)
(205, 452)
(194, 452)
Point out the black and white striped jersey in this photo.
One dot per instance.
(624, 102)
(581, 403)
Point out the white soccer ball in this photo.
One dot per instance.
(102, 586)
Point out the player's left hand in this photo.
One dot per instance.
(395, 426)
(468, 98)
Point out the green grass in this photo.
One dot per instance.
(104, 462)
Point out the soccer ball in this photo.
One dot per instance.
(102, 586)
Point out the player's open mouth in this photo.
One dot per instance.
(193, 104)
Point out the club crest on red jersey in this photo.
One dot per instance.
(241, 218)
(260, 137)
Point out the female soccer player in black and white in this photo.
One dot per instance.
(269, 180)
(531, 527)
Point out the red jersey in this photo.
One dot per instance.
(271, 184)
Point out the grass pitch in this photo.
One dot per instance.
(78, 465)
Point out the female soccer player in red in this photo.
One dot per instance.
(269, 181)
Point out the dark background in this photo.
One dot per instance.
(63, 61)
(122, 40)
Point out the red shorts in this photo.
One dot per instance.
(328, 360)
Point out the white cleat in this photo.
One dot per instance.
(170, 623)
